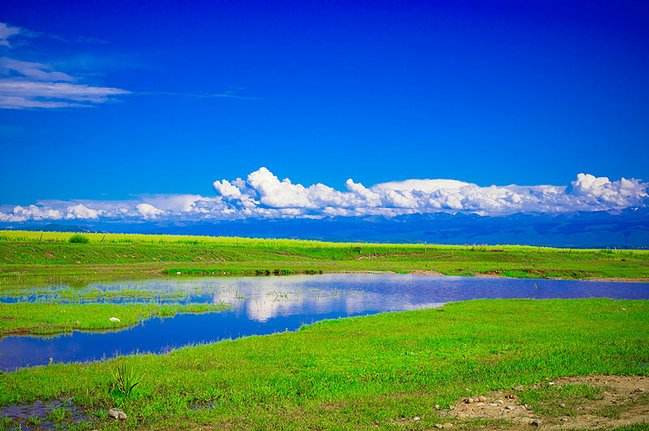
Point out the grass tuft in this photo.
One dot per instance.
(78, 239)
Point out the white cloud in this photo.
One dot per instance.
(602, 191)
(148, 210)
(32, 85)
(80, 211)
(28, 69)
(586, 193)
(263, 195)
(6, 33)
(31, 212)
(23, 94)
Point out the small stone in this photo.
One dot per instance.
(439, 426)
(564, 419)
(116, 414)
(437, 407)
(416, 419)
(563, 405)
(551, 383)
(115, 319)
(509, 408)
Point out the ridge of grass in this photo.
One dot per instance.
(24, 318)
(51, 256)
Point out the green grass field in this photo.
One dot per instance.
(367, 373)
(42, 318)
(50, 256)
(386, 371)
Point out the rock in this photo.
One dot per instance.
(551, 383)
(416, 419)
(437, 407)
(562, 405)
(116, 414)
(439, 426)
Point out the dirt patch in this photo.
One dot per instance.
(594, 402)
(496, 406)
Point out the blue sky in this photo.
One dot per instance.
(492, 92)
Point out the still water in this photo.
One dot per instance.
(265, 305)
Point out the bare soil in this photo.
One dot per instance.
(622, 401)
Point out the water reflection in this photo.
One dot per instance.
(271, 304)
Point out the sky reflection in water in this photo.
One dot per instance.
(272, 304)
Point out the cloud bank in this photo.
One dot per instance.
(263, 195)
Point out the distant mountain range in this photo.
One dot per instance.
(628, 229)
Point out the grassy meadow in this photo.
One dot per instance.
(43, 318)
(391, 371)
(385, 372)
(51, 256)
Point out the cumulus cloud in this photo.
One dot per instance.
(263, 195)
(148, 210)
(48, 212)
(80, 211)
(421, 196)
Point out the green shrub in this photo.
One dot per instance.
(78, 239)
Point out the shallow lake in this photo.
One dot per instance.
(264, 305)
